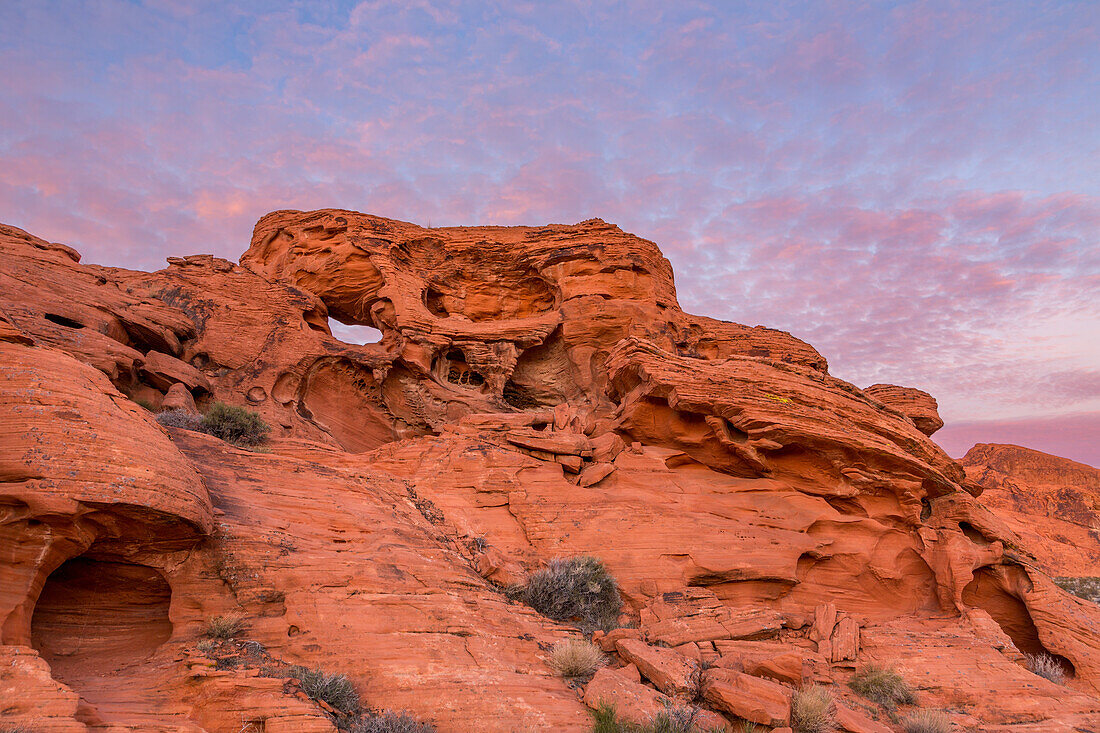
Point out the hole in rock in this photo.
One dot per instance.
(987, 592)
(459, 372)
(973, 534)
(354, 334)
(433, 301)
(63, 321)
(97, 616)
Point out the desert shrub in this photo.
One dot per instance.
(575, 589)
(389, 722)
(576, 658)
(926, 721)
(882, 685)
(207, 646)
(670, 720)
(1084, 587)
(234, 425)
(224, 627)
(336, 690)
(813, 710)
(747, 726)
(179, 419)
(678, 719)
(606, 720)
(1047, 667)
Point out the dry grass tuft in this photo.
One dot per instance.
(926, 721)
(882, 685)
(224, 627)
(576, 658)
(389, 722)
(813, 710)
(1047, 667)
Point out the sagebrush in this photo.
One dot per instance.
(883, 685)
(234, 425)
(180, 419)
(813, 710)
(576, 589)
(336, 690)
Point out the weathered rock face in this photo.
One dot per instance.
(1052, 503)
(537, 392)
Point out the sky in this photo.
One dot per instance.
(911, 187)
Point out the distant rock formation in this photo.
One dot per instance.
(1052, 503)
(537, 393)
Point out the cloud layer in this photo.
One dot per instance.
(913, 187)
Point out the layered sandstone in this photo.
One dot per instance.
(1052, 503)
(537, 392)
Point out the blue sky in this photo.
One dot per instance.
(913, 187)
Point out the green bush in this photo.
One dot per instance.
(389, 722)
(882, 685)
(336, 690)
(576, 589)
(234, 425)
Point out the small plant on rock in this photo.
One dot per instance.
(234, 425)
(926, 721)
(389, 722)
(179, 419)
(1047, 667)
(674, 719)
(576, 589)
(883, 685)
(576, 658)
(335, 690)
(224, 627)
(813, 710)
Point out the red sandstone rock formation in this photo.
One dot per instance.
(1052, 503)
(537, 392)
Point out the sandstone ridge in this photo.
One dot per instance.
(537, 392)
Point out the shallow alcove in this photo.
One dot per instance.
(987, 591)
(95, 616)
(354, 334)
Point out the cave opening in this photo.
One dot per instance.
(95, 616)
(987, 592)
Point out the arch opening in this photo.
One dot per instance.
(353, 333)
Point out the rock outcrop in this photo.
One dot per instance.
(536, 393)
(1052, 503)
